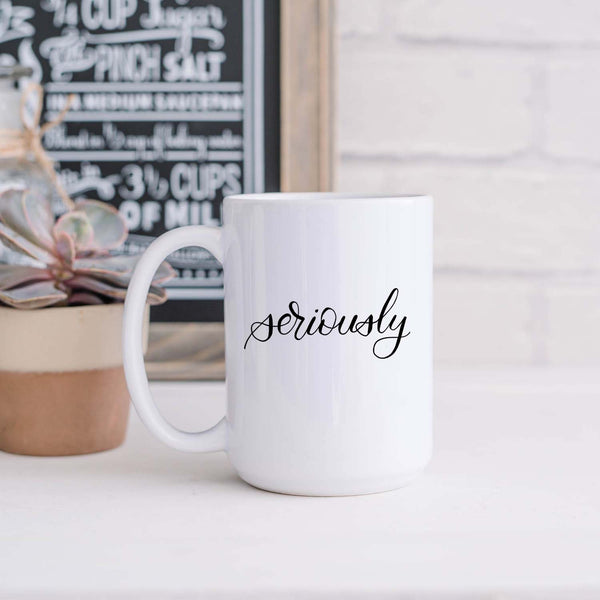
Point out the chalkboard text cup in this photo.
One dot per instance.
(328, 326)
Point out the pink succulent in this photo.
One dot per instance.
(66, 261)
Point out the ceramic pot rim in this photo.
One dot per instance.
(73, 338)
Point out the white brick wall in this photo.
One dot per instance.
(497, 220)
(573, 316)
(527, 22)
(493, 108)
(572, 111)
(420, 103)
(479, 321)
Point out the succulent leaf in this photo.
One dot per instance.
(118, 269)
(114, 264)
(164, 273)
(120, 280)
(110, 230)
(95, 285)
(39, 216)
(85, 298)
(29, 214)
(76, 224)
(66, 262)
(17, 242)
(35, 295)
(14, 275)
(65, 246)
(156, 295)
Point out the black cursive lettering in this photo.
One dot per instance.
(327, 321)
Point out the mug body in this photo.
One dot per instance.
(328, 319)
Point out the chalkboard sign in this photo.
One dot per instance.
(176, 105)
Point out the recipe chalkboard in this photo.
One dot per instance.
(176, 105)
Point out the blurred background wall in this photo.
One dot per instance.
(494, 109)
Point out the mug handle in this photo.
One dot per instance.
(211, 238)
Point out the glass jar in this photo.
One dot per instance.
(16, 170)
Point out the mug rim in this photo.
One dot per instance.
(321, 197)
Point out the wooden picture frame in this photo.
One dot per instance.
(192, 351)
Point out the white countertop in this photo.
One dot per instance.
(509, 508)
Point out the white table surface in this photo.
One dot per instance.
(509, 508)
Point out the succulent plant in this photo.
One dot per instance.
(65, 261)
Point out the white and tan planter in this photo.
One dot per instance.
(62, 386)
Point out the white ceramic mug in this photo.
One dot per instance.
(328, 325)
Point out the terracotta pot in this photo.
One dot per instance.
(62, 387)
